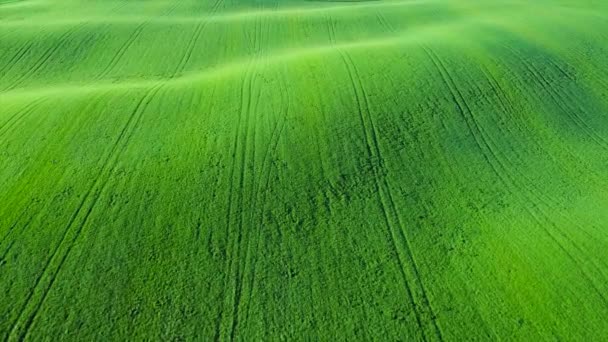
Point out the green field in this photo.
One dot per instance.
(259, 170)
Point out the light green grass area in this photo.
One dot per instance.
(259, 170)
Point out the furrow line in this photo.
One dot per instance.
(464, 107)
(45, 57)
(373, 155)
(120, 6)
(481, 140)
(38, 281)
(393, 209)
(12, 228)
(101, 185)
(571, 256)
(16, 57)
(251, 115)
(512, 182)
(200, 28)
(243, 234)
(249, 112)
(507, 106)
(384, 22)
(572, 113)
(129, 42)
(395, 212)
(230, 258)
(449, 166)
(523, 190)
(564, 107)
(122, 50)
(256, 182)
(562, 71)
(540, 195)
(463, 110)
(262, 188)
(7, 127)
(20, 331)
(171, 9)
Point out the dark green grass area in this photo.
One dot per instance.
(263, 170)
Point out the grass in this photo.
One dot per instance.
(303, 170)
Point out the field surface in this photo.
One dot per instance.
(417, 170)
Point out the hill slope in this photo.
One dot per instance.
(262, 170)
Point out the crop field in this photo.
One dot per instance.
(260, 170)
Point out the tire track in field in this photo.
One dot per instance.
(62, 41)
(229, 207)
(10, 229)
(508, 181)
(232, 198)
(538, 193)
(251, 114)
(45, 281)
(463, 109)
(387, 25)
(595, 69)
(13, 227)
(456, 98)
(119, 6)
(466, 113)
(40, 210)
(333, 42)
(568, 108)
(122, 50)
(399, 241)
(17, 57)
(28, 47)
(243, 233)
(259, 184)
(17, 231)
(531, 194)
(261, 194)
(599, 139)
(200, 28)
(227, 321)
(248, 232)
(14, 120)
(448, 165)
(508, 107)
(543, 199)
(129, 42)
(258, 60)
(389, 207)
(558, 100)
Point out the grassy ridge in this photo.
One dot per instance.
(427, 170)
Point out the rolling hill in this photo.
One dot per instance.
(303, 170)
